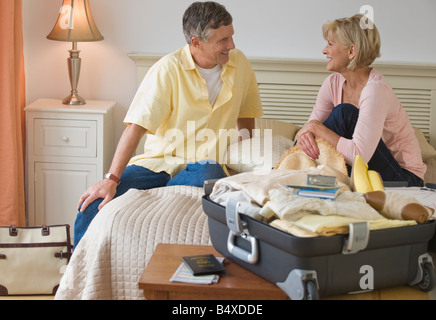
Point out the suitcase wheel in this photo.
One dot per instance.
(428, 278)
(311, 291)
(300, 285)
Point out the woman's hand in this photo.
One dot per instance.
(306, 141)
(306, 138)
(311, 130)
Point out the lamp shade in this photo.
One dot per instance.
(75, 23)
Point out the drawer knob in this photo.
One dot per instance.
(65, 139)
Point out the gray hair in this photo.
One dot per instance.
(201, 17)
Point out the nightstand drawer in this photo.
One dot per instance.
(72, 138)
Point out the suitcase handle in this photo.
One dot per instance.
(238, 228)
(244, 255)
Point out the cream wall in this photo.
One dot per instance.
(274, 28)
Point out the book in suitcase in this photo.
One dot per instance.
(310, 268)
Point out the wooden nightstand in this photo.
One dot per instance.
(236, 284)
(69, 148)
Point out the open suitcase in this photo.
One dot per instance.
(310, 268)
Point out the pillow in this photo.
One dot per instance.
(257, 153)
(427, 150)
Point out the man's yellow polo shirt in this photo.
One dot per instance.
(172, 103)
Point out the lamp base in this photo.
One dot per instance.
(74, 62)
(73, 100)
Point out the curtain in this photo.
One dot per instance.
(12, 117)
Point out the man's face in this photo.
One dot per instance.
(216, 49)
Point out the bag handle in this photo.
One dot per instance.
(45, 231)
(13, 231)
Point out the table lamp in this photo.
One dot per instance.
(75, 24)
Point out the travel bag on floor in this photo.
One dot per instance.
(309, 268)
(33, 259)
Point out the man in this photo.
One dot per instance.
(194, 94)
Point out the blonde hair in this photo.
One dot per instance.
(354, 30)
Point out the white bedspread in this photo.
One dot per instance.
(112, 255)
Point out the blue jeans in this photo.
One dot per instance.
(136, 177)
(343, 121)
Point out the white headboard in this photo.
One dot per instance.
(288, 87)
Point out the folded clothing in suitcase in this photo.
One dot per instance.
(309, 268)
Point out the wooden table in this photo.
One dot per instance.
(236, 284)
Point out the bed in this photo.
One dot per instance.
(111, 257)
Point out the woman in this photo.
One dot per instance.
(356, 109)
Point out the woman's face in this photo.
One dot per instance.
(338, 56)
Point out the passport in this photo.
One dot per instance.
(203, 264)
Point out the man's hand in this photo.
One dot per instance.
(104, 189)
